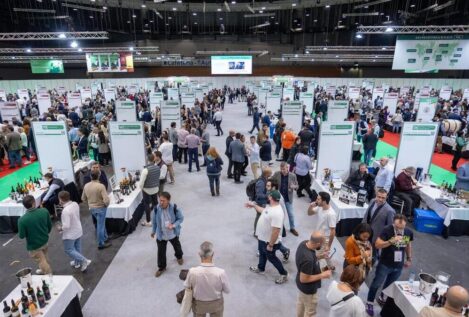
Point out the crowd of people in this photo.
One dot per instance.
(381, 245)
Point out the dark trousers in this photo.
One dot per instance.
(104, 158)
(162, 251)
(219, 129)
(255, 126)
(286, 154)
(214, 182)
(383, 274)
(411, 201)
(238, 168)
(245, 164)
(278, 147)
(26, 152)
(265, 255)
(182, 151)
(15, 158)
(205, 148)
(456, 158)
(230, 166)
(175, 152)
(304, 183)
(149, 202)
(194, 157)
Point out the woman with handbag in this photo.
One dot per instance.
(214, 167)
(358, 250)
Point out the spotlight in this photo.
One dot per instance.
(131, 49)
(389, 29)
(74, 44)
(62, 36)
(359, 36)
(28, 50)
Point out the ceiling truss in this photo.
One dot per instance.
(431, 29)
(41, 36)
(348, 48)
(69, 50)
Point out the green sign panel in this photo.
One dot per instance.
(47, 66)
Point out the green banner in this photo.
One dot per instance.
(47, 66)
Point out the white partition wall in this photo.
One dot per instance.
(445, 92)
(353, 92)
(263, 92)
(9, 110)
(466, 94)
(378, 92)
(126, 111)
(53, 148)
(85, 94)
(337, 110)
(110, 94)
(307, 98)
(44, 103)
(288, 93)
(292, 114)
(170, 112)
(173, 93)
(199, 94)
(416, 146)
(23, 93)
(74, 100)
(156, 98)
(188, 99)
(427, 109)
(127, 147)
(273, 102)
(390, 101)
(335, 148)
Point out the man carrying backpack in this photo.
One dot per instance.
(257, 191)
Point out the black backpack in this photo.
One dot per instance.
(251, 189)
(212, 167)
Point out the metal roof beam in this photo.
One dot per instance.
(417, 29)
(41, 36)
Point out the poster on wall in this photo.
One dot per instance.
(445, 92)
(353, 92)
(127, 137)
(425, 53)
(109, 62)
(9, 110)
(307, 98)
(85, 94)
(132, 89)
(466, 94)
(109, 94)
(416, 146)
(425, 90)
(126, 111)
(292, 114)
(53, 148)
(337, 110)
(378, 92)
(94, 88)
(427, 109)
(74, 100)
(156, 98)
(173, 94)
(273, 102)
(3, 95)
(44, 103)
(330, 90)
(288, 94)
(337, 158)
(390, 101)
(23, 93)
(61, 90)
(170, 112)
(404, 90)
(187, 99)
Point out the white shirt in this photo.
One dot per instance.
(71, 224)
(271, 216)
(326, 220)
(24, 139)
(353, 307)
(384, 178)
(254, 153)
(207, 281)
(217, 116)
(166, 149)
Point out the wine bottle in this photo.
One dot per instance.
(46, 291)
(439, 302)
(30, 292)
(40, 298)
(32, 308)
(24, 299)
(6, 309)
(15, 312)
(434, 297)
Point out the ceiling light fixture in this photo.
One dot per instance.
(28, 50)
(80, 50)
(293, 4)
(359, 36)
(174, 9)
(233, 2)
(131, 49)
(62, 36)
(144, 5)
(328, 6)
(389, 29)
(74, 44)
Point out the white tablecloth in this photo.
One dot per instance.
(410, 305)
(357, 146)
(125, 209)
(11, 208)
(65, 288)
(79, 165)
(342, 210)
(429, 194)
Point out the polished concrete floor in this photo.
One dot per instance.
(121, 279)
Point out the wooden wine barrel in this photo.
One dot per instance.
(450, 126)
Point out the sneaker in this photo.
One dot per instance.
(39, 272)
(147, 224)
(75, 265)
(255, 269)
(381, 300)
(370, 309)
(85, 265)
(159, 272)
(105, 245)
(286, 255)
(282, 279)
(27, 162)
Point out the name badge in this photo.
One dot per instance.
(397, 256)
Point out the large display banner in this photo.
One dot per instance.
(307, 98)
(292, 114)
(466, 94)
(288, 93)
(110, 94)
(416, 146)
(445, 92)
(85, 94)
(3, 95)
(390, 101)
(127, 147)
(337, 158)
(377, 92)
(431, 52)
(173, 93)
(61, 90)
(273, 102)
(125, 111)
(74, 100)
(337, 110)
(110, 62)
(23, 93)
(170, 112)
(427, 109)
(156, 98)
(9, 110)
(354, 92)
(187, 99)
(44, 103)
(53, 148)
(94, 88)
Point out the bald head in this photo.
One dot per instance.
(456, 297)
(384, 161)
(317, 237)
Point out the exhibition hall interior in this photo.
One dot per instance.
(301, 157)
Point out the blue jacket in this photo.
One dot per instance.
(462, 177)
(266, 120)
(261, 192)
(176, 219)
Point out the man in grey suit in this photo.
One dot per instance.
(378, 215)
(237, 151)
(287, 183)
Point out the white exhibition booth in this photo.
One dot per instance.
(170, 112)
(292, 114)
(125, 110)
(337, 110)
(9, 110)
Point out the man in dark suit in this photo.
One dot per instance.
(82, 145)
(229, 139)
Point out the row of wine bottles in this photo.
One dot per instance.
(29, 303)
